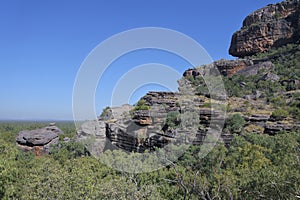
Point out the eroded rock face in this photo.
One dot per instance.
(270, 126)
(162, 98)
(257, 68)
(273, 128)
(39, 140)
(245, 67)
(93, 135)
(225, 68)
(140, 130)
(230, 67)
(271, 26)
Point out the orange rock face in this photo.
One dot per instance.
(271, 26)
(145, 121)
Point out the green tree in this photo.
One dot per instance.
(235, 123)
(173, 119)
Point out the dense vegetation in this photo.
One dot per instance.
(254, 167)
(283, 94)
(287, 66)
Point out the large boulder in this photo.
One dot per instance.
(39, 140)
(271, 26)
(93, 135)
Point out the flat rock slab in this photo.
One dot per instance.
(37, 137)
(43, 137)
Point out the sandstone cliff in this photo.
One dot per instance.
(271, 26)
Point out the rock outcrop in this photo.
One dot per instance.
(270, 126)
(225, 67)
(245, 67)
(230, 67)
(273, 128)
(93, 135)
(271, 26)
(140, 130)
(162, 98)
(259, 68)
(39, 140)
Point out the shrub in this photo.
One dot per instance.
(207, 105)
(106, 113)
(235, 123)
(173, 119)
(68, 150)
(278, 101)
(279, 114)
(141, 105)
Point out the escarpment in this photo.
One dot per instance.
(262, 93)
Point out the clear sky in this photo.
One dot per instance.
(43, 44)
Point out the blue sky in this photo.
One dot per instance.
(44, 43)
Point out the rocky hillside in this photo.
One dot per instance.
(262, 93)
(271, 26)
(261, 96)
